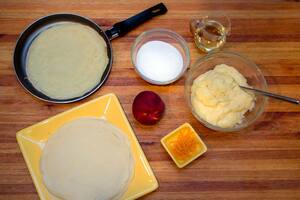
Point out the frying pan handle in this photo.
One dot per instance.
(123, 27)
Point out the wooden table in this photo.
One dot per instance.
(260, 162)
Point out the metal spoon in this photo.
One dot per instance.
(276, 96)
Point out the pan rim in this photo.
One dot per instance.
(75, 99)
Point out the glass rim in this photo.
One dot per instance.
(225, 18)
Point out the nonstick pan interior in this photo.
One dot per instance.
(118, 29)
(26, 39)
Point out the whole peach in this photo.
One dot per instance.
(148, 108)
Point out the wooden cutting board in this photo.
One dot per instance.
(260, 162)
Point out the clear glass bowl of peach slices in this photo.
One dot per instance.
(213, 94)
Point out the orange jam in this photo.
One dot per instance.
(184, 145)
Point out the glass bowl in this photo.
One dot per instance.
(246, 67)
(165, 35)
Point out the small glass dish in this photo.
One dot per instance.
(164, 35)
(210, 32)
(184, 155)
(246, 67)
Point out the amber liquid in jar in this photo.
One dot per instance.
(210, 36)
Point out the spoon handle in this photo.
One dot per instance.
(276, 96)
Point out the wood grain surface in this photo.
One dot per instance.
(260, 162)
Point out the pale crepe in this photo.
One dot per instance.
(66, 60)
(87, 159)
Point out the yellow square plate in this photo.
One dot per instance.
(32, 139)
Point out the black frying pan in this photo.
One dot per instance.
(30, 33)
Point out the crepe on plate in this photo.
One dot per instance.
(87, 158)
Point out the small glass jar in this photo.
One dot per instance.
(210, 32)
